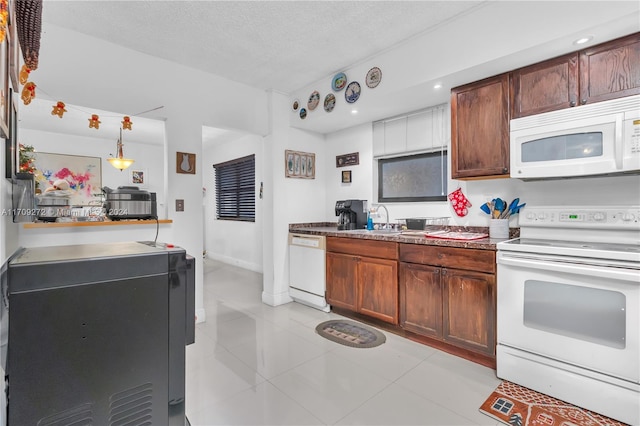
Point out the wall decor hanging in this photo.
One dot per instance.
(339, 81)
(374, 76)
(295, 105)
(14, 47)
(185, 163)
(82, 174)
(313, 101)
(299, 164)
(29, 26)
(346, 176)
(303, 113)
(348, 159)
(352, 92)
(329, 102)
(4, 89)
(138, 177)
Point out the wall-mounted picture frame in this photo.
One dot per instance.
(346, 176)
(185, 163)
(138, 177)
(84, 175)
(13, 46)
(11, 154)
(299, 164)
(348, 159)
(4, 88)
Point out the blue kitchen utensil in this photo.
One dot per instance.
(517, 209)
(499, 207)
(512, 207)
(486, 207)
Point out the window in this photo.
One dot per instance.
(421, 177)
(236, 189)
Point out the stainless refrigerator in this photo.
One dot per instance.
(96, 334)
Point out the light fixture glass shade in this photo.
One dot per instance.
(120, 163)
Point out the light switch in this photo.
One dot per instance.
(179, 205)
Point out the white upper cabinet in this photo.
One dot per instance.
(420, 131)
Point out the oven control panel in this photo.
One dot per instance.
(608, 217)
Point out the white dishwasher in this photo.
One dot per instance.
(307, 272)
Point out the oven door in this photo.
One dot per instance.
(583, 314)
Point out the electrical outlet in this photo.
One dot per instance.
(179, 205)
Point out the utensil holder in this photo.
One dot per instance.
(499, 228)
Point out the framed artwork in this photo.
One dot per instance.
(4, 89)
(84, 175)
(185, 163)
(11, 154)
(346, 176)
(299, 164)
(348, 159)
(138, 177)
(13, 46)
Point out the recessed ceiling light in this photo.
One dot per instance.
(583, 40)
(354, 111)
(437, 85)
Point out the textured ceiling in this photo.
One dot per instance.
(282, 45)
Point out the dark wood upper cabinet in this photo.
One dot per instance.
(480, 129)
(610, 70)
(543, 87)
(607, 71)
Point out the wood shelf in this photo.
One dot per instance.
(105, 223)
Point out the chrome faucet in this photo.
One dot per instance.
(386, 211)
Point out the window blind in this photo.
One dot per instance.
(236, 189)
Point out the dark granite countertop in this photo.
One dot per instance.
(331, 230)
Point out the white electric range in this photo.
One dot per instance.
(568, 307)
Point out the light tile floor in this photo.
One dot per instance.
(253, 364)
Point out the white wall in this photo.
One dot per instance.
(287, 200)
(234, 242)
(587, 191)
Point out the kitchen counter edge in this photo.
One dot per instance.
(31, 225)
(331, 230)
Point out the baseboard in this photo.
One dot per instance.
(276, 299)
(235, 262)
(201, 315)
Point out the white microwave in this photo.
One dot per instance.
(590, 140)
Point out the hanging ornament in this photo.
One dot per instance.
(29, 26)
(58, 109)
(94, 121)
(24, 74)
(28, 92)
(126, 123)
(4, 14)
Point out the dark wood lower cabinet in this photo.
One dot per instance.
(440, 296)
(421, 299)
(469, 310)
(359, 281)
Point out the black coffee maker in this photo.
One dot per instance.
(352, 214)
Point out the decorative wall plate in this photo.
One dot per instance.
(295, 105)
(303, 113)
(374, 76)
(352, 92)
(339, 81)
(329, 102)
(314, 99)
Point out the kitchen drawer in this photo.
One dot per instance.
(449, 257)
(362, 247)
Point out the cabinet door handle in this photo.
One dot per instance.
(444, 272)
(572, 103)
(583, 101)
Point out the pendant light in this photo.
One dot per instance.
(119, 162)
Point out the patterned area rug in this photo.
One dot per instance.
(350, 333)
(516, 405)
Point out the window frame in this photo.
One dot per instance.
(441, 153)
(240, 191)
